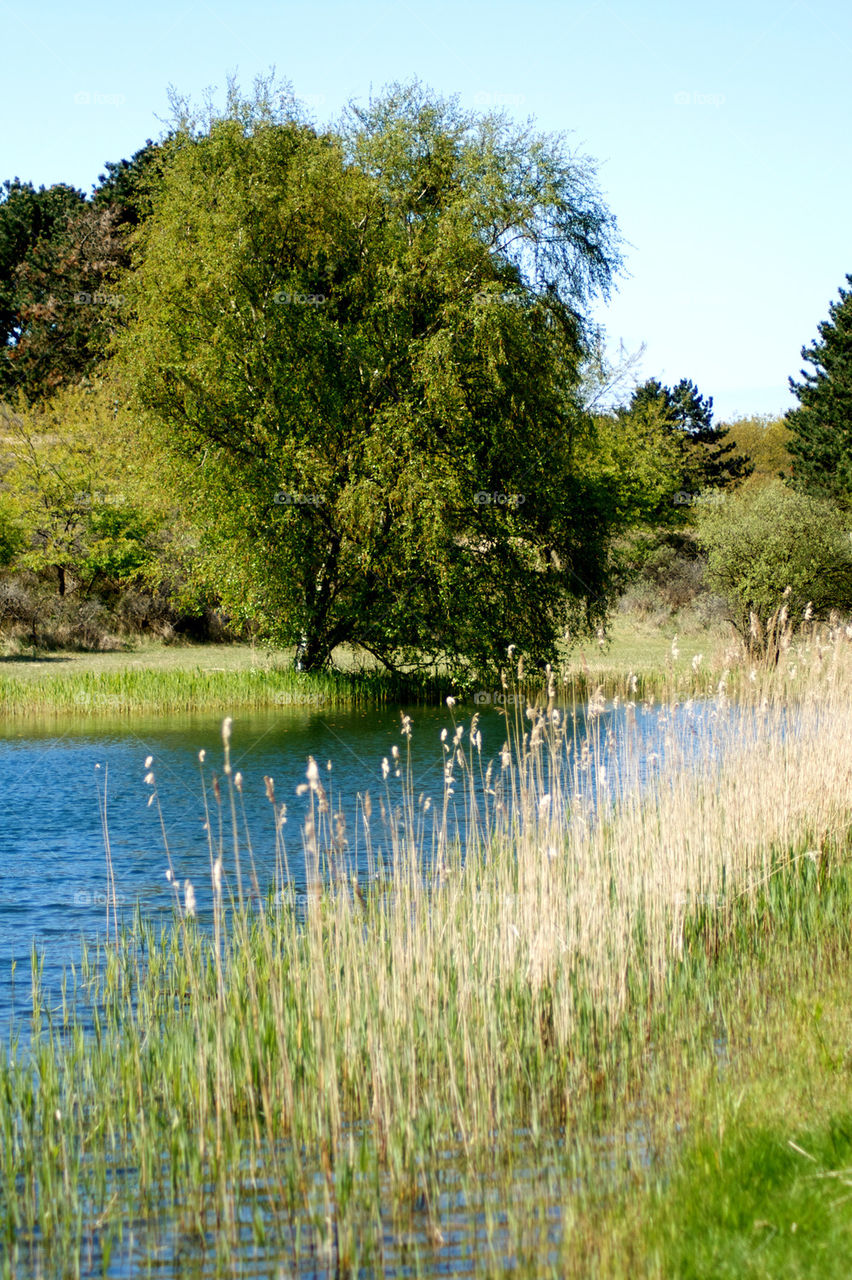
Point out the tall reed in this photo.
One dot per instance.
(320, 1070)
(132, 690)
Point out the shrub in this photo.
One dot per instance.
(771, 553)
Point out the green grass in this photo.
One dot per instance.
(562, 1048)
(167, 679)
(176, 678)
(761, 1186)
(750, 1205)
(638, 645)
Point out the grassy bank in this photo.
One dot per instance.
(638, 659)
(743, 1101)
(480, 1054)
(164, 679)
(761, 1185)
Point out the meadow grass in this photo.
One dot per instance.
(473, 1058)
(167, 679)
(744, 1104)
(761, 1184)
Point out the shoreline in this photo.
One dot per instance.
(172, 679)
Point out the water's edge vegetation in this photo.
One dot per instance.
(520, 1054)
(186, 680)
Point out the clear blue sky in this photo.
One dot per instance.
(723, 133)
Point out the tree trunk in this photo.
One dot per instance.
(313, 653)
(315, 650)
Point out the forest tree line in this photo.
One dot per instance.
(340, 385)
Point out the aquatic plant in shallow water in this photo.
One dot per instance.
(335, 1072)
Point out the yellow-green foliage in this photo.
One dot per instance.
(78, 487)
(765, 440)
(635, 458)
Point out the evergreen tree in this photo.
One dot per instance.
(821, 444)
(128, 186)
(60, 255)
(707, 458)
(68, 307)
(28, 217)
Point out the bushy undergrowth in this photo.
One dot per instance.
(33, 616)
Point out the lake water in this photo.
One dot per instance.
(53, 868)
(52, 860)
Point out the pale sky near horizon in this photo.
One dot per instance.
(721, 132)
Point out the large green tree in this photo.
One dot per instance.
(363, 348)
(821, 426)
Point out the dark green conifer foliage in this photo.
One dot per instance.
(821, 444)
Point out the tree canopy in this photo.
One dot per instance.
(80, 505)
(706, 456)
(362, 348)
(775, 555)
(61, 256)
(821, 426)
(28, 217)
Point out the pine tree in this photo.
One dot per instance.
(708, 459)
(821, 444)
